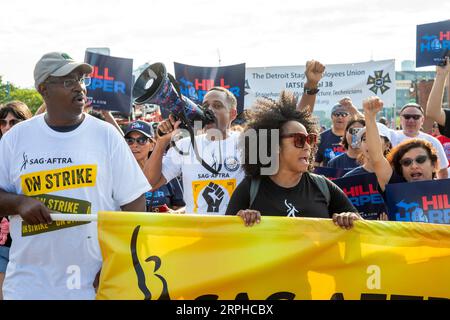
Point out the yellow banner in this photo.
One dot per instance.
(163, 256)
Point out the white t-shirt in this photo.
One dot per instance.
(82, 171)
(205, 192)
(399, 136)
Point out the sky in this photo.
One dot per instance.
(200, 32)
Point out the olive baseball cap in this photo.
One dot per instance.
(57, 64)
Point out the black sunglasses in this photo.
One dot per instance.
(141, 140)
(408, 161)
(12, 122)
(341, 114)
(414, 116)
(301, 138)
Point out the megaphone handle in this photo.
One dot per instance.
(175, 117)
(160, 133)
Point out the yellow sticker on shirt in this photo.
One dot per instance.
(60, 204)
(212, 193)
(42, 182)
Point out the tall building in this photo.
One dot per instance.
(407, 83)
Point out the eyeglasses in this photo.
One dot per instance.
(341, 114)
(414, 116)
(301, 138)
(71, 83)
(12, 122)
(408, 161)
(141, 140)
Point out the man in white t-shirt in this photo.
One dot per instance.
(65, 161)
(411, 119)
(206, 192)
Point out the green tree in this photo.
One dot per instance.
(9, 92)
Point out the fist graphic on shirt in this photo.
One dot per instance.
(213, 195)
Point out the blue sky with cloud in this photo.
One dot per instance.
(259, 33)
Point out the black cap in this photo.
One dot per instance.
(140, 126)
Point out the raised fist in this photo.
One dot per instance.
(213, 195)
(314, 72)
(372, 105)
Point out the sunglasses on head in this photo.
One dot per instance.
(141, 140)
(12, 122)
(414, 116)
(340, 114)
(406, 162)
(301, 138)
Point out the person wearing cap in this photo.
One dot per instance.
(63, 161)
(411, 160)
(348, 159)
(367, 166)
(330, 140)
(411, 119)
(209, 185)
(140, 138)
(364, 157)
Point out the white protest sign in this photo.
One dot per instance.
(356, 80)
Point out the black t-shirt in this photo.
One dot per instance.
(303, 200)
(343, 161)
(356, 171)
(395, 178)
(445, 130)
(329, 147)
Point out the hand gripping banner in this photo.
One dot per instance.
(164, 256)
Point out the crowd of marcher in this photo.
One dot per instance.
(65, 155)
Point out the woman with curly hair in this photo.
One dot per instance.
(291, 189)
(412, 160)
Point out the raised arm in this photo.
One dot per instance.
(313, 72)
(434, 105)
(383, 169)
(348, 104)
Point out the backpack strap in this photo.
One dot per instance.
(254, 187)
(321, 183)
